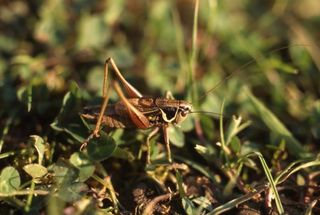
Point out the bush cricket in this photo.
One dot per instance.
(136, 111)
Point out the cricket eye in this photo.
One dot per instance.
(184, 113)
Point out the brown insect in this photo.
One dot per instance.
(136, 111)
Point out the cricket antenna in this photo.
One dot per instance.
(207, 112)
(212, 114)
(246, 65)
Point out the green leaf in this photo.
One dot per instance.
(300, 56)
(52, 25)
(114, 11)
(35, 170)
(38, 143)
(235, 144)
(69, 105)
(160, 25)
(24, 94)
(73, 191)
(188, 206)
(64, 174)
(66, 177)
(208, 126)
(123, 154)
(315, 119)
(124, 58)
(84, 164)
(55, 205)
(93, 32)
(68, 119)
(157, 76)
(9, 180)
(187, 124)
(7, 43)
(101, 148)
(176, 136)
(94, 82)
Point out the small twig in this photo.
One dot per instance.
(152, 204)
(24, 192)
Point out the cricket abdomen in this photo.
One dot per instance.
(110, 119)
(117, 122)
(118, 116)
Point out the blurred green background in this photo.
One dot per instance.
(52, 47)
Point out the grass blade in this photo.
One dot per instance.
(235, 202)
(271, 181)
(286, 173)
(193, 56)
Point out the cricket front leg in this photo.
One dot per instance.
(167, 141)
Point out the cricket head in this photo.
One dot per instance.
(183, 111)
(177, 112)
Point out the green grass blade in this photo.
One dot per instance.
(5, 131)
(223, 144)
(193, 56)
(180, 41)
(270, 179)
(235, 202)
(29, 93)
(287, 172)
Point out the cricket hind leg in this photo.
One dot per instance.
(95, 132)
(137, 117)
(132, 92)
